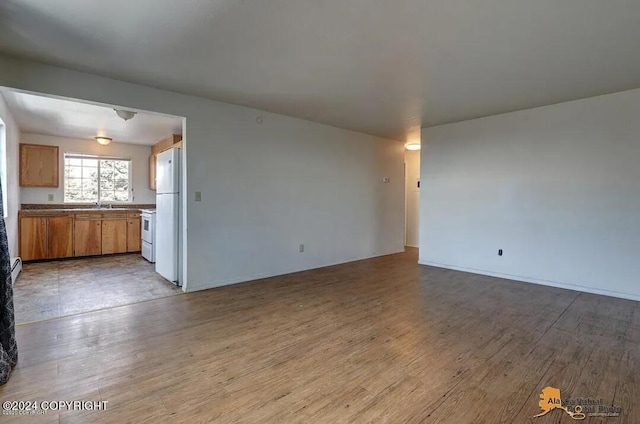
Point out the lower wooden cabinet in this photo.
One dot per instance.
(79, 234)
(87, 237)
(114, 236)
(43, 237)
(60, 237)
(33, 238)
(134, 241)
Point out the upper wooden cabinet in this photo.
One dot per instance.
(166, 143)
(152, 171)
(39, 165)
(174, 140)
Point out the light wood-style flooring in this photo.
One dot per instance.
(376, 341)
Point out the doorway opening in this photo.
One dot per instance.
(86, 179)
(412, 194)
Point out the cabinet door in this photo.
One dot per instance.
(133, 235)
(114, 236)
(60, 236)
(152, 171)
(33, 238)
(38, 165)
(87, 237)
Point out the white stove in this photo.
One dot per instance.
(148, 231)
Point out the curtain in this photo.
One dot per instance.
(8, 345)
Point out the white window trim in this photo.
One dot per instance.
(98, 157)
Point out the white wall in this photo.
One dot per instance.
(556, 187)
(412, 194)
(138, 154)
(13, 192)
(265, 188)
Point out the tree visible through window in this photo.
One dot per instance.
(96, 179)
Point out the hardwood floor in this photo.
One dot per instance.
(381, 340)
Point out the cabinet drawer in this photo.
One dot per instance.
(88, 216)
(114, 215)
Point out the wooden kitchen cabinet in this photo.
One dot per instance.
(46, 237)
(87, 236)
(173, 140)
(114, 236)
(87, 233)
(33, 238)
(39, 165)
(152, 171)
(59, 237)
(134, 241)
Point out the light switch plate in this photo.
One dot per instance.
(386, 179)
(198, 196)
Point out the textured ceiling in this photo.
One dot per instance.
(45, 115)
(376, 66)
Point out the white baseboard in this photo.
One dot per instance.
(210, 285)
(593, 290)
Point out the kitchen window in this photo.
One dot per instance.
(96, 179)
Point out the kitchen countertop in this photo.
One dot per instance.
(75, 210)
(71, 208)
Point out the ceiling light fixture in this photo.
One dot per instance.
(412, 146)
(103, 140)
(125, 114)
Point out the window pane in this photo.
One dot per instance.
(90, 173)
(85, 181)
(89, 190)
(107, 196)
(122, 196)
(73, 172)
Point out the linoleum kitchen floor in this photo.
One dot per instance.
(54, 289)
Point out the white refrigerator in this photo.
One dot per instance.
(168, 214)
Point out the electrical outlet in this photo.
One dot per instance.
(198, 196)
(51, 197)
(301, 248)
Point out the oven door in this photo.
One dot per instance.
(147, 228)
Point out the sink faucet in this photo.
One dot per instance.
(98, 204)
